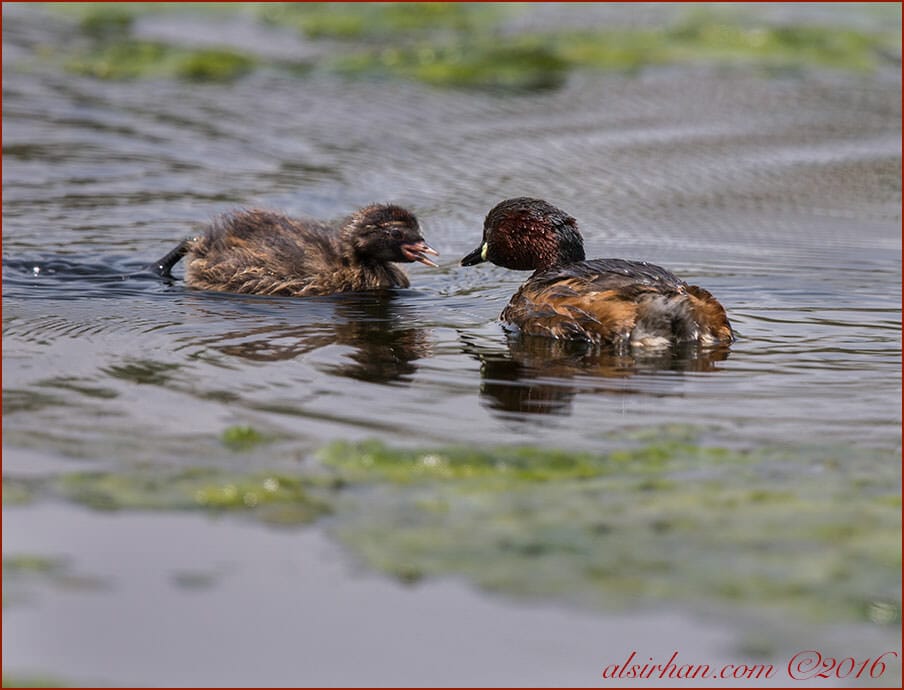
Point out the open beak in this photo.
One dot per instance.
(476, 257)
(417, 251)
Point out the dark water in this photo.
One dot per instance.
(779, 194)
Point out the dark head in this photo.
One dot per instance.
(527, 234)
(381, 233)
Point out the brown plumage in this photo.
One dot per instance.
(267, 253)
(607, 301)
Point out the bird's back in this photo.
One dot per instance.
(617, 302)
(267, 253)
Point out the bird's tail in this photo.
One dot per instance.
(163, 267)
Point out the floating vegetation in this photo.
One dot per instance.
(383, 20)
(808, 531)
(467, 45)
(111, 52)
(464, 46)
(23, 573)
(106, 22)
(242, 438)
(214, 65)
(513, 66)
(372, 461)
(21, 564)
(266, 496)
(17, 680)
(18, 492)
(130, 59)
(813, 531)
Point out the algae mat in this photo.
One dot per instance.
(810, 530)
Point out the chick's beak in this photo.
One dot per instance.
(416, 252)
(476, 257)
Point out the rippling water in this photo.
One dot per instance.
(782, 201)
(780, 195)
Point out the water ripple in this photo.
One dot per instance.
(781, 195)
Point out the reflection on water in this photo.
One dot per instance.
(542, 376)
(379, 350)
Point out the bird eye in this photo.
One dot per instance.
(395, 234)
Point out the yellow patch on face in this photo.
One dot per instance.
(483, 251)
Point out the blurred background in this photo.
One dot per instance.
(384, 489)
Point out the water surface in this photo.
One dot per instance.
(779, 193)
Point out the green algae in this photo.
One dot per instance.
(654, 516)
(667, 521)
(104, 22)
(17, 680)
(239, 438)
(132, 59)
(91, 14)
(22, 564)
(521, 65)
(707, 38)
(382, 20)
(466, 45)
(790, 45)
(482, 56)
(18, 491)
(23, 573)
(371, 461)
(703, 34)
(265, 496)
(214, 64)
(113, 53)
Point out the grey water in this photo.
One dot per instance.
(781, 195)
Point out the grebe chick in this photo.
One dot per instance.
(267, 253)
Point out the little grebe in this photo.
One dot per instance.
(266, 253)
(607, 301)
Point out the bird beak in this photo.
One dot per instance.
(416, 252)
(479, 255)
